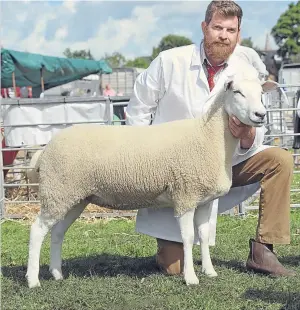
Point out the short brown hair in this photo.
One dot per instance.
(225, 8)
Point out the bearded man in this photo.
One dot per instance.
(178, 84)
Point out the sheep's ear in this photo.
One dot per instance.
(228, 85)
(269, 85)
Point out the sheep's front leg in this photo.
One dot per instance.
(186, 224)
(201, 219)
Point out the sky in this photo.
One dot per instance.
(131, 28)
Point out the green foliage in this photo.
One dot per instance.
(80, 54)
(168, 42)
(139, 62)
(115, 60)
(287, 31)
(247, 42)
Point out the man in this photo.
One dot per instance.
(108, 91)
(178, 84)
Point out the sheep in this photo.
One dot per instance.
(31, 174)
(183, 164)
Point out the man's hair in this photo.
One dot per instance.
(225, 8)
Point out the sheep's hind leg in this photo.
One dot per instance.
(57, 236)
(38, 231)
(186, 224)
(201, 219)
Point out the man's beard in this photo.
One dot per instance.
(218, 50)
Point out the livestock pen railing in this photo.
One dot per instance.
(32, 131)
(282, 130)
(28, 124)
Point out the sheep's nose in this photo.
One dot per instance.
(260, 115)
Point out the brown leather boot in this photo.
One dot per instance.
(170, 256)
(261, 259)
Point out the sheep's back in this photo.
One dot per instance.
(129, 163)
(85, 159)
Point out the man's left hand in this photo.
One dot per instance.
(243, 132)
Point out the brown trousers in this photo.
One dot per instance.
(273, 168)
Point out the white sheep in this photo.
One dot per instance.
(183, 164)
(31, 174)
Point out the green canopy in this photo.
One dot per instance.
(28, 68)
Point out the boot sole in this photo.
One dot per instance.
(255, 268)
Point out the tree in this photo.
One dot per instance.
(168, 42)
(286, 32)
(115, 60)
(247, 42)
(81, 54)
(139, 62)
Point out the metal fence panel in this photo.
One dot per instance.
(281, 112)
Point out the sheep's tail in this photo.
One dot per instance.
(33, 173)
(36, 160)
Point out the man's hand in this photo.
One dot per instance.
(243, 132)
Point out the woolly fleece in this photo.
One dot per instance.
(178, 164)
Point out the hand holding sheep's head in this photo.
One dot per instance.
(243, 99)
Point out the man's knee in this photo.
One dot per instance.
(170, 256)
(281, 157)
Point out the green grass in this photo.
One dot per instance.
(109, 266)
(295, 197)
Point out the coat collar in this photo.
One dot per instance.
(196, 58)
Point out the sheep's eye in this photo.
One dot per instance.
(238, 92)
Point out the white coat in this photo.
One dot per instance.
(175, 87)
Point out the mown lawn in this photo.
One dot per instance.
(295, 196)
(109, 266)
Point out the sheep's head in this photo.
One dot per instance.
(243, 99)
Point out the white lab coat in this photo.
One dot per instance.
(175, 87)
(252, 57)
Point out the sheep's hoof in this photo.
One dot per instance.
(210, 273)
(56, 273)
(191, 279)
(33, 283)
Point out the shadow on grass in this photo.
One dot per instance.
(291, 300)
(104, 265)
(240, 266)
(107, 265)
(290, 260)
(231, 264)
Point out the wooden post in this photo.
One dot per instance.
(42, 80)
(14, 83)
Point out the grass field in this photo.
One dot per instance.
(109, 266)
